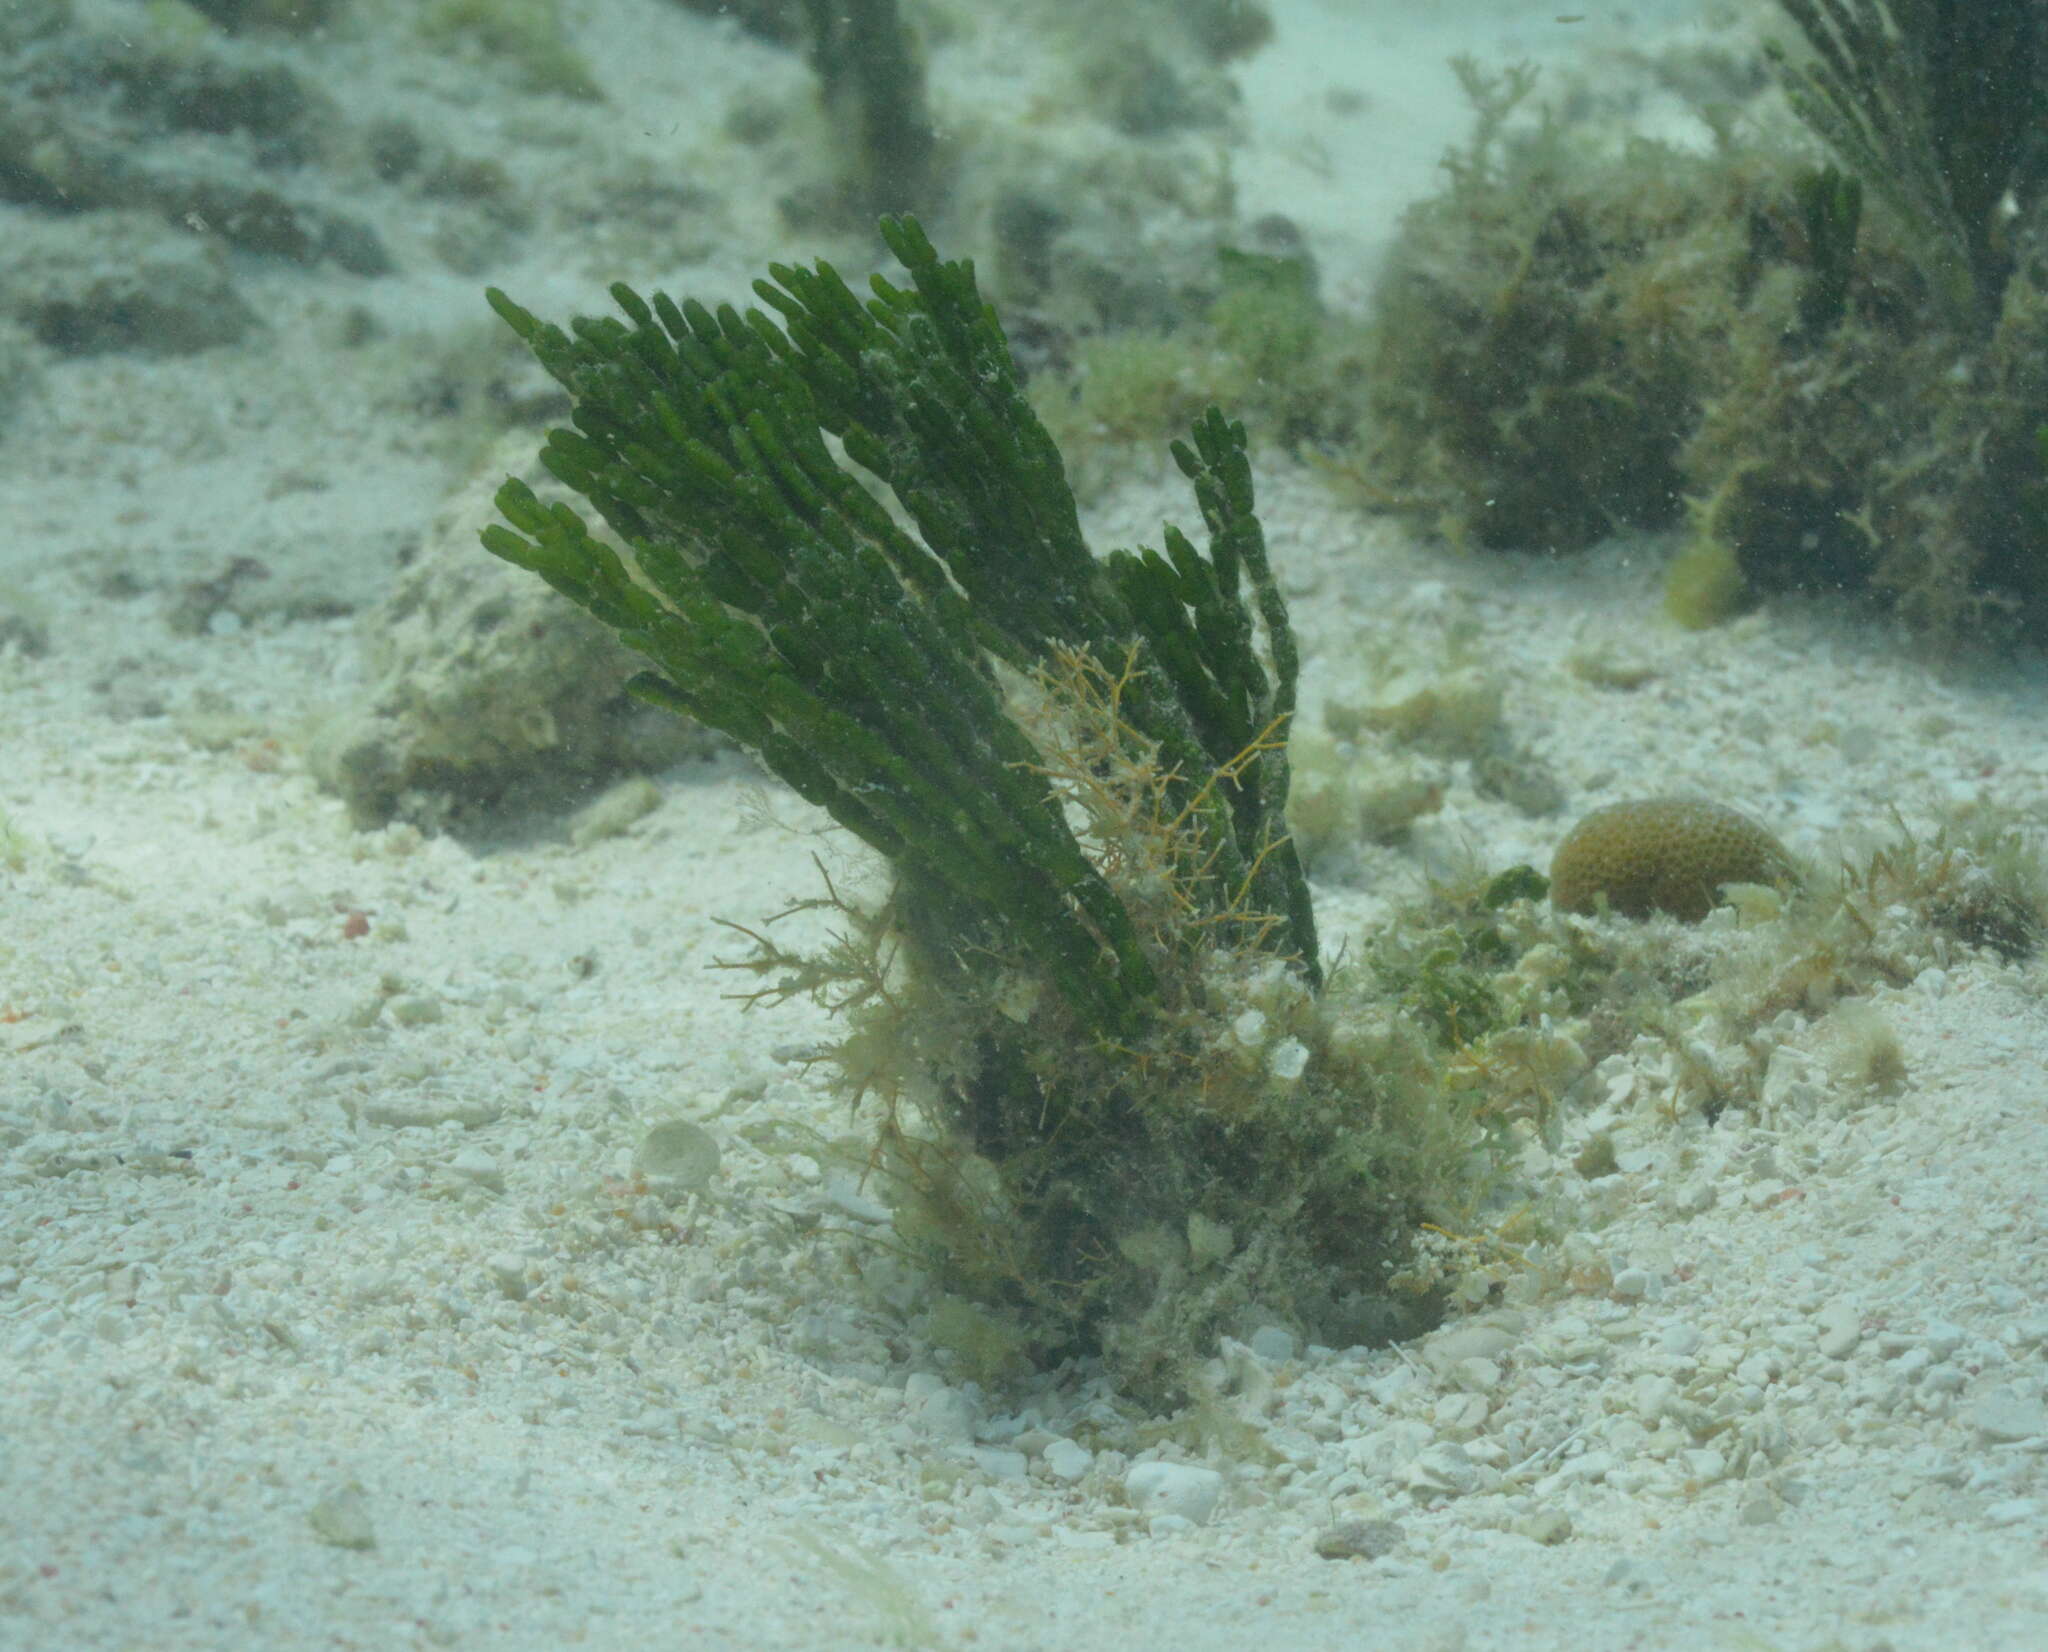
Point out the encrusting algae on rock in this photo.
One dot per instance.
(1663, 854)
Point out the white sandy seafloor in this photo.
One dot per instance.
(331, 1314)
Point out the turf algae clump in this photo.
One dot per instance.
(1117, 1104)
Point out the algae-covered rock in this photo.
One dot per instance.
(1838, 371)
(1542, 331)
(486, 687)
(120, 281)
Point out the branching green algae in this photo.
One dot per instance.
(1119, 1105)
(1115, 1100)
(1934, 104)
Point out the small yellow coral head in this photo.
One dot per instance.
(1663, 854)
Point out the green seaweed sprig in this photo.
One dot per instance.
(779, 600)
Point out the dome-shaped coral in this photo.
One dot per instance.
(1663, 854)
